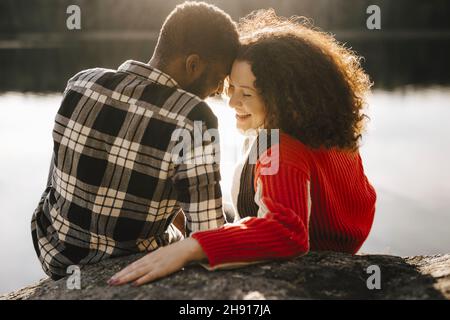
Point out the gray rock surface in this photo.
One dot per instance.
(318, 275)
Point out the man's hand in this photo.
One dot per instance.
(160, 263)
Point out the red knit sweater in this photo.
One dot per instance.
(318, 200)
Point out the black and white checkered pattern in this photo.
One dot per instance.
(114, 188)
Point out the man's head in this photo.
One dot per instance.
(197, 45)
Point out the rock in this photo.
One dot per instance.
(318, 275)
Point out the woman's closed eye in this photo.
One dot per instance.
(232, 90)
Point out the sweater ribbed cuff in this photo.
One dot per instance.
(255, 239)
(217, 245)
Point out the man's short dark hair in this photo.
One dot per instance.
(198, 28)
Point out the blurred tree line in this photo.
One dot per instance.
(50, 15)
(39, 53)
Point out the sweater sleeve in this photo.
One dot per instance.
(279, 231)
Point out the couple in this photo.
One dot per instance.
(114, 190)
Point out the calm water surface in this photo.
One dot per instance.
(406, 154)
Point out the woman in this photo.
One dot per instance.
(307, 189)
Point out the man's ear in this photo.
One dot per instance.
(194, 66)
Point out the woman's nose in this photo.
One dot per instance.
(234, 102)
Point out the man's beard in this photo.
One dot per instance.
(199, 86)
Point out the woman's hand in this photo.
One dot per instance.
(160, 263)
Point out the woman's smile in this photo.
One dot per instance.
(242, 116)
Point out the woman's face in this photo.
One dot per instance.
(244, 98)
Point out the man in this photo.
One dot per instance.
(114, 188)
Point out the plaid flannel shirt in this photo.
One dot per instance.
(113, 187)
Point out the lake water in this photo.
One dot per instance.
(406, 154)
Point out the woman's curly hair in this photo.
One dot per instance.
(313, 87)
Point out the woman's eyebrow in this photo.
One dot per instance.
(246, 87)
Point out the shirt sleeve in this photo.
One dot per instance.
(279, 231)
(197, 174)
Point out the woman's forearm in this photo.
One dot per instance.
(193, 249)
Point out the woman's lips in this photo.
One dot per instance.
(242, 117)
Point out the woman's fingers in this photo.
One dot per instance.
(130, 273)
(130, 268)
(148, 277)
(123, 272)
(130, 276)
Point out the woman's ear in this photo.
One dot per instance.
(194, 66)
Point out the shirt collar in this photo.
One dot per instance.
(146, 71)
